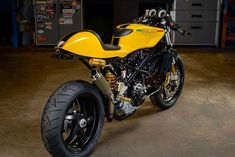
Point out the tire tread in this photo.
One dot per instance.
(51, 117)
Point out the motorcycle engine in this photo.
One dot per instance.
(138, 93)
(124, 106)
(128, 96)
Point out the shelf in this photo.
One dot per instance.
(229, 18)
(230, 37)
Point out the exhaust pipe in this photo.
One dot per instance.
(103, 86)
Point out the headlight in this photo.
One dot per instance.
(61, 43)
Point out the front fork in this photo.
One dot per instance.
(169, 44)
(172, 71)
(168, 38)
(169, 59)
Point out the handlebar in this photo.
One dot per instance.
(184, 32)
(179, 29)
(156, 20)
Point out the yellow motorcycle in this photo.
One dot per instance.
(139, 63)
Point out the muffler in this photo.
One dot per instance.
(103, 86)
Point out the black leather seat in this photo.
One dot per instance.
(107, 47)
(122, 32)
(110, 47)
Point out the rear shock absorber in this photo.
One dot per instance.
(111, 79)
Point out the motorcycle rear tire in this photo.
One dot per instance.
(55, 111)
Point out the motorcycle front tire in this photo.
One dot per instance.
(157, 100)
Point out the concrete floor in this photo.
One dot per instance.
(202, 124)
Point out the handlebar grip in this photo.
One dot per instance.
(183, 32)
(180, 31)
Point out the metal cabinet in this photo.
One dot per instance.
(200, 18)
(55, 18)
(196, 4)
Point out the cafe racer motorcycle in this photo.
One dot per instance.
(139, 63)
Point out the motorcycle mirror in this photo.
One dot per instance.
(162, 13)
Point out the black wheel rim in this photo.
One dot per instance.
(80, 123)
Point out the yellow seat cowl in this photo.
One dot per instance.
(89, 45)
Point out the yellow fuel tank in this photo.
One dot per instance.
(88, 44)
